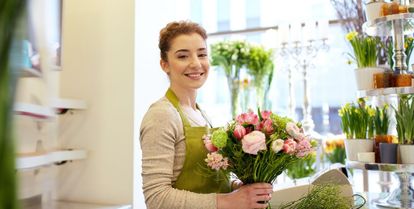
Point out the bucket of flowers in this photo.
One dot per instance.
(257, 147)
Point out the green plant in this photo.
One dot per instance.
(357, 121)
(321, 197)
(260, 66)
(10, 14)
(408, 49)
(404, 116)
(231, 56)
(365, 49)
(381, 121)
(302, 168)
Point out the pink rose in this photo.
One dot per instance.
(239, 132)
(254, 142)
(248, 118)
(277, 145)
(266, 114)
(303, 148)
(289, 146)
(209, 146)
(293, 130)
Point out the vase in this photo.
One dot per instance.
(380, 139)
(388, 153)
(364, 77)
(373, 9)
(355, 146)
(233, 84)
(403, 80)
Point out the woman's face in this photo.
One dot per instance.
(188, 64)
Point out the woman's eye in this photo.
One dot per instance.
(202, 55)
(182, 56)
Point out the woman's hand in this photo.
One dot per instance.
(246, 197)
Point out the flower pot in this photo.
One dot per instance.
(388, 153)
(406, 153)
(373, 10)
(364, 77)
(383, 80)
(380, 139)
(402, 80)
(355, 146)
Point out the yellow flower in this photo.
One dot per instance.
(370, 110)
(351, 35)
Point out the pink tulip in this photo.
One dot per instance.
(209, 146)
(266, 114)
(239, 132)
(289, 146)
(248, 118)
(267, 126)
(254, 142)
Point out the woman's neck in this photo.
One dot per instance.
(187, 97)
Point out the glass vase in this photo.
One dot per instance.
(233, 84)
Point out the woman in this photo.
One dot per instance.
(172, 131)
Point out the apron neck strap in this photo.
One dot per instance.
(176, 103)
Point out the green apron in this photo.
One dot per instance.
(194, 175)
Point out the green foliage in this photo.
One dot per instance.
(337, 155)
(280, 132)
(302, 168)
(408, 49)
(365, 49)
(10, 13)
(357, 121)
(321, 197)
(231, 56)
(381, 120)
(404, 116)
(260, 65)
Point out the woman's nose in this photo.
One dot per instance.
(195, 62)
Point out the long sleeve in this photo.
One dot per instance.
(163, 154)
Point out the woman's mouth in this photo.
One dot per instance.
(194, 76)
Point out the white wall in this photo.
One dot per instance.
(98, 66)
(150, 81)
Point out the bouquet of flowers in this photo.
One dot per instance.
(257, 147)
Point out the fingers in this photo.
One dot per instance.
(262, 186)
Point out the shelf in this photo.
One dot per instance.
(71, 205)
(383, 26)
(68, 104)
(385, 91)
(399, 168)
(35, 160)
(30, 72)
(32, 110)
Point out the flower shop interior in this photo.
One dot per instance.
(89, 70)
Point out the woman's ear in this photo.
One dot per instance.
(164, 65)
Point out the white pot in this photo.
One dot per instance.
(406, 153)
(373, 10)
(355, 146)
(364, 77)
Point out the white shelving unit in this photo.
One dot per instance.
(35, 160)
(32, 110)
(30, 72)
(68, 104)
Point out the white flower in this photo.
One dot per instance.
(277, 145)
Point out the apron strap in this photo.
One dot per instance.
(176, 103)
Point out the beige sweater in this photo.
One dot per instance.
(163, 154)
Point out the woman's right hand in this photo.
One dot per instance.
(246, 197)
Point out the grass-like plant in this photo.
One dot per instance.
(365, 49)
(404, 116)
(408, 49)
(381, 120)
(10, 13)
(322, 197)
(357, 121)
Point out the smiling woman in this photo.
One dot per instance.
(173, 168)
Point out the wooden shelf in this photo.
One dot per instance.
(32, 110)
(35, 160)
(30, 72)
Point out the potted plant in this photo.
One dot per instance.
(404, 115)
(260, 67)
(10, 11)
(365, 54)
(385, 150)
(231, 56)
(357, 124)
(401, 77)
